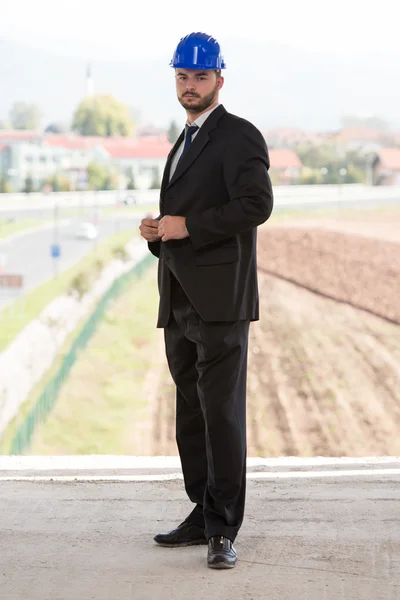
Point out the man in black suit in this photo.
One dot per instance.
(215, 192)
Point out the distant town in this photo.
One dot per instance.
(103, 149)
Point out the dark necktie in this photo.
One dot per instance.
(188, 139)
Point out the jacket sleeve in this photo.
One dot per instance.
(245, 169)
(155, 247)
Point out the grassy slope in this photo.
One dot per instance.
(9, 227)
(101, 408)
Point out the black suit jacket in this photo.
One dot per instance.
(223, 189)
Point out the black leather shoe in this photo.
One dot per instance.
(185, 534)
(221, 553)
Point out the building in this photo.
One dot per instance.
(285, 166)
(386, 167)
(41, 156)
(144, 158)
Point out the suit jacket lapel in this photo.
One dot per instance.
(196, 146)
(170, 157)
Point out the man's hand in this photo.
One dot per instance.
(149, 230)
(172, 228)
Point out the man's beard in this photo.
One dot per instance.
(201, 105)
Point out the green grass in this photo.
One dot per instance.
(17, 315)
(101, 407)
(9, 227)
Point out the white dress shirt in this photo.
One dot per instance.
(199, 122)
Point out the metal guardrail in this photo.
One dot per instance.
(36, 200)
(38, 414)
(283, 194)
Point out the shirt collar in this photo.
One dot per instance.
(202, 118)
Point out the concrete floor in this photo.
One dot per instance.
(314, 530)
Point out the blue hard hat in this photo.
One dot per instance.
(198, 51)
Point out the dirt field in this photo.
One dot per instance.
(382, 223)
(361, 271)
(324, 376)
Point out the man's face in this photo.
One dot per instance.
(197, 90)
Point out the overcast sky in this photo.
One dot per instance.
(130, 27)
(306, 62)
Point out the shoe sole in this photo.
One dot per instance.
(222, 566)
(182, 545)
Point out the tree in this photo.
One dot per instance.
(131, 179)
(56, 128)
(5, 124)
(155, 182)
(96, 176)
(109, 183)
(317, 157)
(354, 175)
(173, 132)
(58, 183)
(28, 187)
(25, 116)
(102, 115)
(5, 186)
(100, 178)
(309, 177)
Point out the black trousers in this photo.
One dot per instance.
(208, 363)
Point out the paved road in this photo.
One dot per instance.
(83, 213)
(29, 254)
(329, 532)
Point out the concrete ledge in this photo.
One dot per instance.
(159, 468)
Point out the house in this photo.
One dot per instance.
(143, 157)
(41, 156)
(386, 167)
(285, 166)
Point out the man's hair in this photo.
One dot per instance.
(218, 72)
